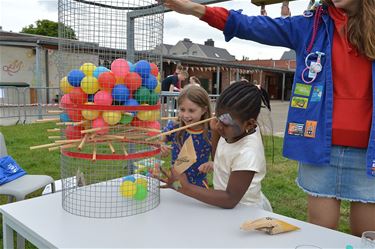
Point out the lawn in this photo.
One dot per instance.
(279, 186)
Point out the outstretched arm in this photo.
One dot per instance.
(186, 7)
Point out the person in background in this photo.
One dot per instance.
(173, 82)
(330, 129)
(239, 165)
(193, 106)
(193, 80)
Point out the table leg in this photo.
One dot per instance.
(8, 235)
(20, 242)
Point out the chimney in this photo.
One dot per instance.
(186, 40)
(209, 42)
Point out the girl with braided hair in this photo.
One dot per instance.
(239, 165)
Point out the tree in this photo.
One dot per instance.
(49, 28)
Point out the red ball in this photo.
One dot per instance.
(153, 125)
(107, 81)
(73, 132)
(65, 100)
(100, 123)
(133, 81)
(77, 96)
(74, 115)
(154, 69)
(103, 98)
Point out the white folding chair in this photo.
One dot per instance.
(17, 189)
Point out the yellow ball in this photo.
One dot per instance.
(158, 87)
(159, 77)
(89, 85)
(128, 189)
(141, 181)
(90, 114)
(65, 86)
(154, 115)
(111, 118)
(88, 68)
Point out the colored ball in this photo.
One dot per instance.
(103, 98)
(77, 96)
(155, 115)
(133, 81)
(90, 114)
(141, 192)
(128, 178)
(143, 68)
(154, 98)
(65, 86)
(89, 85)
(74, 115)
(144, 115)
(99, 70)
(107, 81)
(154, 69)
(142, 95)
(65, 100)
(159, 76)
(75, 76)
(73, 132)
(128, 189)
(126, 118)
(120, 80)
(88, 69)
(120, 67)
(131, 67)
(120, 93)
(153, 125)
(158, 87)
(150, 83)
(64, 117)
(141, 181)
(111, 118)
(100, 123)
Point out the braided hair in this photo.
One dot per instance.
(242, 99)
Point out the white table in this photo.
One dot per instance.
(178, 221)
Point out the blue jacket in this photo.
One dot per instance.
(308, 135)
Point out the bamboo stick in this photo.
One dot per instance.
(53, 130)
(65, 146)
(67, 141)
(54, 137)
(124, 149)
(111, 148)
(180, 128)
(42, 146)
(94, 153)
(47, 120)
(55, 111)
(168, 118)
(80, 146)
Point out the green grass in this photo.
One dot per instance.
(279, 186)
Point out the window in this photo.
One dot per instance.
(216, 54)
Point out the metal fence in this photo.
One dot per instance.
(20, 105)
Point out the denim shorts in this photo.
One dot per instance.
(344, 178)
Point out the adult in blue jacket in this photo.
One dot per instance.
(329, 128)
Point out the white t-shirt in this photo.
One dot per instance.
(245, 154)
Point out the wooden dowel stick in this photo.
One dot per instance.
(111, 148)
(67, 141)
(47, 120)
(124, 149)
(168, 118)
(180, 128)
(93, 130)
(42, 146)
(54, 137)
(53, 130)
(94, 153)
(55, 111)
(80, 146)
(65, 146)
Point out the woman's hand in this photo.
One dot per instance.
(206, 167)
(186, 7)
(165, 150)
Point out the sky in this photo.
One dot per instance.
(16, 14)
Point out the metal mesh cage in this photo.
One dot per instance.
(109, 55)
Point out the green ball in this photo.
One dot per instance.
(126, 119)
(154, 97)
(142, 95)
(141, 192)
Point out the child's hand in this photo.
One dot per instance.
(206, 167)
(172, 179)
(165, 150)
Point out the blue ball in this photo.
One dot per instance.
(128, 178)
(75, 76)
(120, 93)
(64, 117)
(150, 82)
(131, 67)
(99, 70)
(143, 68)
(132, 102)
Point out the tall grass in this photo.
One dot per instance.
(279, 186)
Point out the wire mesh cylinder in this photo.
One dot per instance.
(109, 55)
